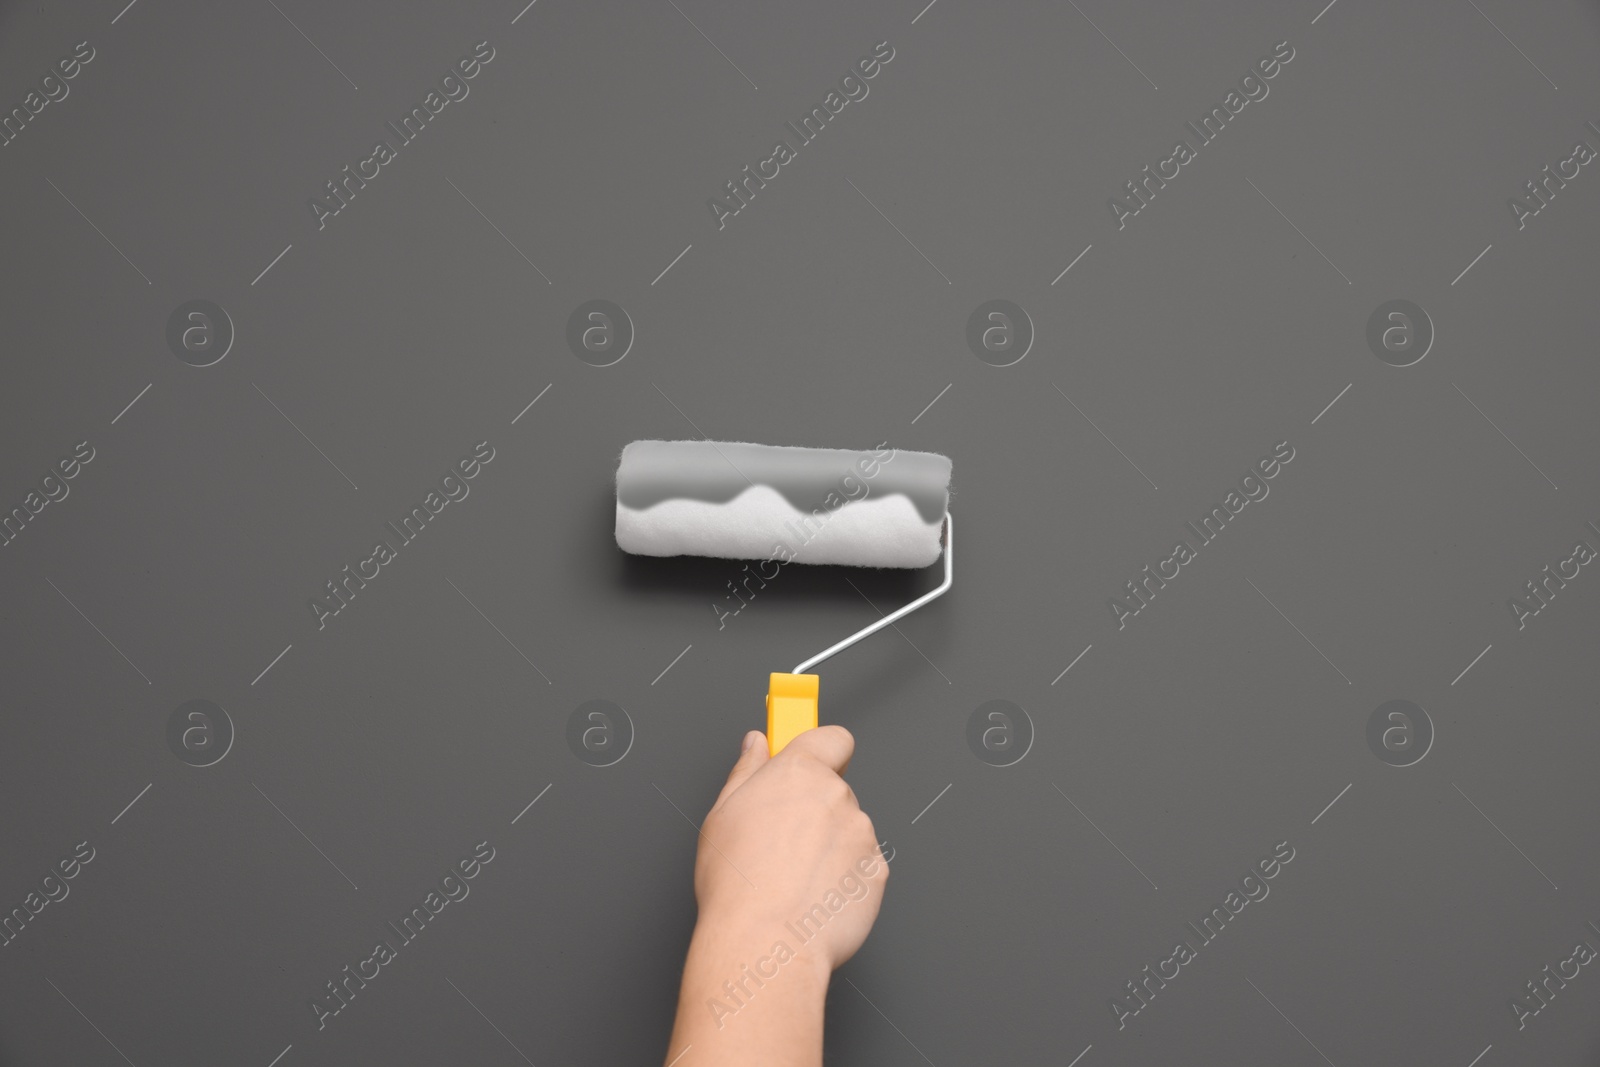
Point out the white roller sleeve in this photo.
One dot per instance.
(873, 508)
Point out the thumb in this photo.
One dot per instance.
(752, 755)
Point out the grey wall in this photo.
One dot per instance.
(1440, 859)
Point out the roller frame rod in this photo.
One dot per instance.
(895, 616)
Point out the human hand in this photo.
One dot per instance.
(786, 852)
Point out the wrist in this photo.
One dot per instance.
(751, 994)
(751, 954)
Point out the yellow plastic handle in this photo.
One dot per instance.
(791, 708)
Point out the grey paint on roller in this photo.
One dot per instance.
(718, 471)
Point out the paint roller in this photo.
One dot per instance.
(724, 499)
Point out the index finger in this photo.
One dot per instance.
(832, 746)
